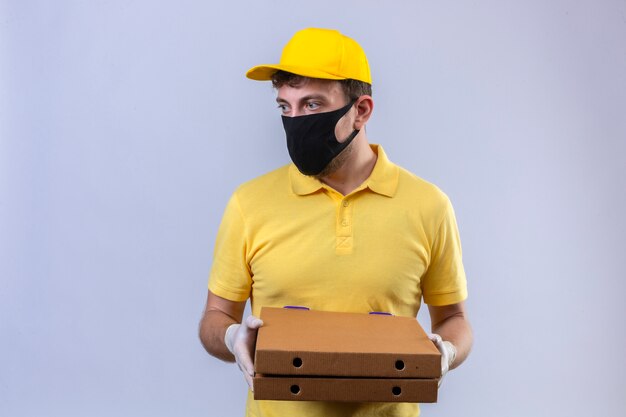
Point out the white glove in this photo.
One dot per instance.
(240, 340)
(448, 353)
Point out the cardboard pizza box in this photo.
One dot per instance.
(299, 342)
(345, 389)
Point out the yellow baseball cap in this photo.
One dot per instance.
(319, 53)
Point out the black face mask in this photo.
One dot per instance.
(311, 139)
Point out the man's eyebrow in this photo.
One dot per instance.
(314, 97)
(305, 98)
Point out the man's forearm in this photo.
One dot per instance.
(212, 330)
(457, 330)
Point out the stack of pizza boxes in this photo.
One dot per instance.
(307, 355)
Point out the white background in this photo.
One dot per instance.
(125, 126)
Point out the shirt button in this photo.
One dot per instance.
(346, 203)
(345, 222)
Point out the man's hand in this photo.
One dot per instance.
(240, 340)
(448, 353)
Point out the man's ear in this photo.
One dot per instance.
(364, 107)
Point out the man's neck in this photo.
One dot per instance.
(355, 170)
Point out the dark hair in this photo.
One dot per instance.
(353, 89)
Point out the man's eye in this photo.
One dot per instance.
(312, 106)
(282, 108)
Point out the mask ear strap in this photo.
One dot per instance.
(349, 105)
(355, 131)
(350, 137)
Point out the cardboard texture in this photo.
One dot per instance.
(345, 389)
(320, 343)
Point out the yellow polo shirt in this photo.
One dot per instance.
(288, 239)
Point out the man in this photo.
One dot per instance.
(340, 229)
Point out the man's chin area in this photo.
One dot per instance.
(335, 164)
(330, 169)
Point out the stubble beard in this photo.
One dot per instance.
(337, 162)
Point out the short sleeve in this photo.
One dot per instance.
(230, 276)
(444, 282)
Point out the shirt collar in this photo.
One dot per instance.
(383, 179)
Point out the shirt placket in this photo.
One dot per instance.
(344, 226)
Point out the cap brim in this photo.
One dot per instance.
(265, 72)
